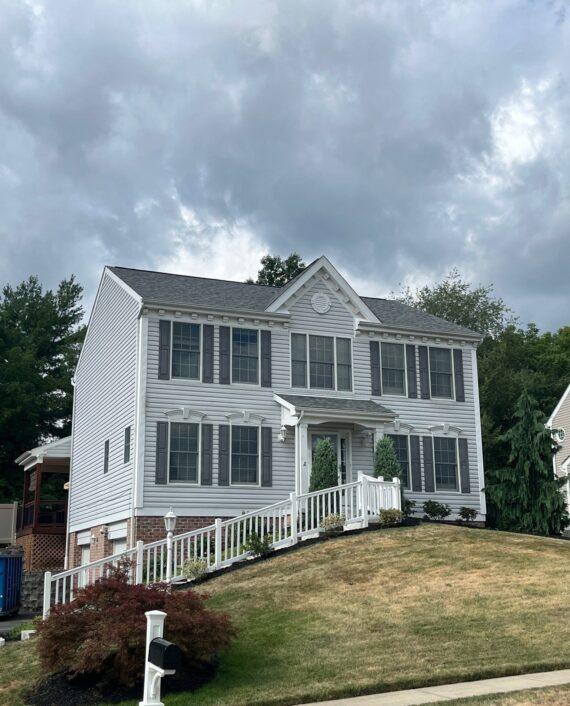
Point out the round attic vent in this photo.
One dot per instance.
(321, 302)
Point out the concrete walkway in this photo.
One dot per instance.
(435, 694)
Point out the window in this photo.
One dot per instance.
(393, 369)
(185, 350)
(445, 457)
(183, 456)
(127, 445)
(441, 372)
(321, 362)
(245, 455)
(106, 457)
(400, 442)
(298, 360)
(343, 364)
(245, 355)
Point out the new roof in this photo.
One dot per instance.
(187, 291)
(339, 404)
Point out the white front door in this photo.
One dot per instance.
(341, 444)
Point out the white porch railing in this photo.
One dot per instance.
(222, 544)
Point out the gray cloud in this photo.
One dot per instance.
(400, 138)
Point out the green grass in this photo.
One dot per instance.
(551, 696)
(381, 611)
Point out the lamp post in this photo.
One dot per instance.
(170, 525)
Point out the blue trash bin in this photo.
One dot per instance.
(10, 584)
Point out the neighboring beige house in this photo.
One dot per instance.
(560, 422)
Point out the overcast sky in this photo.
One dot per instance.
(399, 138)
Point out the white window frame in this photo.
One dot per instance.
(308, 385)
(239, 382)
(439, 397)
(395, 394)
(198, 480)
(200, 355)
(457, 490)
(395, 433)
(252, 426)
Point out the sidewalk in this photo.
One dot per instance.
(434, 694)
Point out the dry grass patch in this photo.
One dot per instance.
(552, 696)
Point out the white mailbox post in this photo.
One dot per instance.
(152, 673)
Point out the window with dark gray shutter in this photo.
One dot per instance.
(298, 360)
(245, 356)
(224, 334)
(265, 358)
(183, 455)
(185, 350)
(427, 445)
(244, 455)
(164, 350)
(445, 460)
(266, 457)
(375, 368)
(441, 372)
(458, 373)
(127, 445)
(424, 372)
(411, 370)
(161, 468)
(207, 452)
(464, 466)
(416, 464)
(393, 369)
(208, 353)
(106, 457)
(224, 454)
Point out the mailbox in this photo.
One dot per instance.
(164, 654)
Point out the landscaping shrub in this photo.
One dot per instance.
(436, 511)
(467, 514)
(333, 523)
(101, 634)
(408, 507)
(258, 546)
(390, 517)
(386, 462)
(324, 471)
(194, 568)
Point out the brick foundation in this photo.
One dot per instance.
(43, 552)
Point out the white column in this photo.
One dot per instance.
(47, 594)
(168, 557)
(154, 628)
(304, 457)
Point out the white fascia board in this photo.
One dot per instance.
(334, 274)
(368, 326)
(557, 408)
(216, 311)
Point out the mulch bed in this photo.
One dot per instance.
(57, 690)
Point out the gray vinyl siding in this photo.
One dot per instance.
(104, 406)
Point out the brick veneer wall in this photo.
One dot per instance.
(43, 552)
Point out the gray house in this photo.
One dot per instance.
(559, 422)
(209, 396)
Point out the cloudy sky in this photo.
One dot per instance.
(399, 138)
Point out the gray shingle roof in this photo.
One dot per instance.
(184, 290)
(337, 404)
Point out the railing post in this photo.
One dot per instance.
(139, 562)
(218, 544)
(294, 518)
(398, 492)
(47, 594)
(363, 478)
(168, 557)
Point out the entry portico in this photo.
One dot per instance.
(340, 419)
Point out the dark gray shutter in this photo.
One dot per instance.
(415, 464)
(265, 358)
(429, 480)
(411, 368)
(207, 439)
(458, 369)
(375, 368)
(224, 455)
(208, 353)
(163, 350)
(464, 466)
(266, 457)
(424, 372)
(161, 453)
(225, 355)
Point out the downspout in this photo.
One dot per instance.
(66, 559)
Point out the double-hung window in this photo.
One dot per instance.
(401, 448)
(245, 355)
(445, 458)
(393, 369)
(325, 360)
(245, 455)
(185, 350)
(184, 452)
(441, 372)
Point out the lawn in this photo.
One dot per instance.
(385, 610)
(553, 696)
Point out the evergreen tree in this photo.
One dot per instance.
(324, 472)
(277, 271)
(40, 338)
(526, 494)
(386, 462)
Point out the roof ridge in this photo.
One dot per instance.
(177, 274)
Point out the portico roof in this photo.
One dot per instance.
(336, 406)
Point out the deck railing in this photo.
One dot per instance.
(224, 542)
